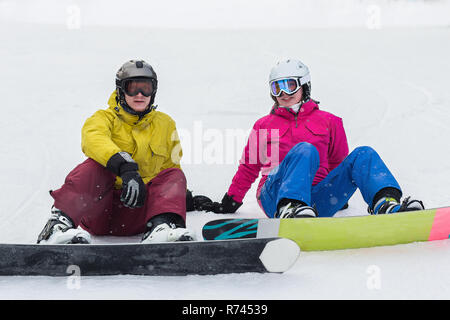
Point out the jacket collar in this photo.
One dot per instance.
(131, 119)
(305, 109)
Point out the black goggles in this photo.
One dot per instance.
(133, 87)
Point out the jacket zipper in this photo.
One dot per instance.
(295, 116)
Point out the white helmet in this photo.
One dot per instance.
(292, 68)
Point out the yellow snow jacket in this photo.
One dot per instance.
(152, 141)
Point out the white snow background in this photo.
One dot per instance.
(383, 66)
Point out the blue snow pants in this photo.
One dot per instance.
(293, 178)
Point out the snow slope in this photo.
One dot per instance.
(389, 84)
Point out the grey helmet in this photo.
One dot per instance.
(293, 68)
(135, 69)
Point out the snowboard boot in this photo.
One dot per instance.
(295, 209)
(60, 230)
(167, 227)
(388, 205)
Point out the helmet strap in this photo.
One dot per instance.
(121, 99)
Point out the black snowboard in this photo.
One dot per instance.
(164, 259)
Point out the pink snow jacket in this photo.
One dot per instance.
(274, 135)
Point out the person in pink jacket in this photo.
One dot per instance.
(303, 156)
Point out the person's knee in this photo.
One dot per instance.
(177, 175)
(172, 179)
(365, 150)
(305, 149)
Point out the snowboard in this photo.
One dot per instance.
(314, 234)
(161, 259)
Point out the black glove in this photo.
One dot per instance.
(134, 191)
(194, 203)
(189, 201)
(228, 205)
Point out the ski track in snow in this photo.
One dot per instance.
(383, 103)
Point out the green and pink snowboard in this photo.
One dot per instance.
(313, 234)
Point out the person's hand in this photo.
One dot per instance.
(134, 190)
(227, 205)
(195, 203)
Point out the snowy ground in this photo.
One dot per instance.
(390, 85)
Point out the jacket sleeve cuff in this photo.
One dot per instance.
(235, 197)
(121, 162)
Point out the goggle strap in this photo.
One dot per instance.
(305, 79)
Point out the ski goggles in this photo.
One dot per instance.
(134, 86)
(286, 85)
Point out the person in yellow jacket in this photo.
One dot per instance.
(131, 182)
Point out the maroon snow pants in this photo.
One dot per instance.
(89, 198)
